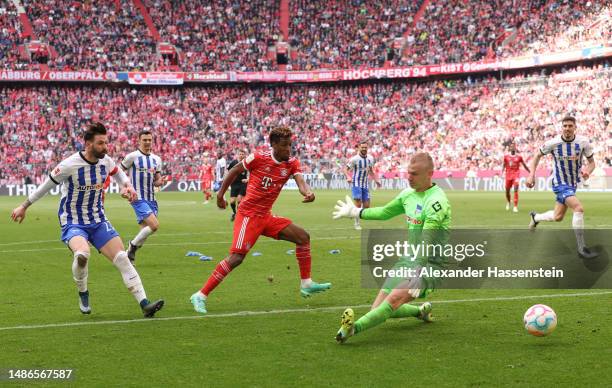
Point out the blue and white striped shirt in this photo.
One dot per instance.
(567, 157)
(361, 167)
(141, 168)
(82, 189)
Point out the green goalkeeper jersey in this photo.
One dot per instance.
(428, 217)
(428, 209)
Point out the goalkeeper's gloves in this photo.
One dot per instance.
(346, 209)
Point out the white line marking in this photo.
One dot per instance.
(189, 243)
(158, 236)
(287, 311)
(29, 242)
(229, 232)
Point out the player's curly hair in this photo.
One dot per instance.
(279, 133)
(93, 129)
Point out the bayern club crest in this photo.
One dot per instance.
(284, 172)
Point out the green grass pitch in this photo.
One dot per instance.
(477, 339)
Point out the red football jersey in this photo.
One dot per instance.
(512, 163)
(266, 180)
(206, 173)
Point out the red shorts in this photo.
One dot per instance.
(205, 185)
(247, 230)
(512, 182)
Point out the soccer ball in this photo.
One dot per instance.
(540, 320)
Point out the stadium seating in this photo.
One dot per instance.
(218, 35)
(562, 25)
(124, 35)
(455, 31)
(101, 35)
(348, 33)
(465, 125)
(10, 40)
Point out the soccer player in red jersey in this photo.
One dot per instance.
(206, 172)
(512, 165)
(269, 171)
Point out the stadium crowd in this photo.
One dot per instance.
(453, 31)
(466, 125)
(343, 34)
(10, 39)
(563, 25)
(101, 35)
(232, 35)
(229, 35)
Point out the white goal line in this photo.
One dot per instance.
(288, 311)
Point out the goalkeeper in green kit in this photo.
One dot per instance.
(428, 216)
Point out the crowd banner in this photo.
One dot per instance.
(144, 78)
(57, 76)
(338, 182)
(362, 73)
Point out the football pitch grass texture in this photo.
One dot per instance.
(261, 332)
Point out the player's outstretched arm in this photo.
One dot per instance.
(345, 209)
(525, 165)
(304, 188)
(588, 170)
(534, 164)
(159, 180)
(374, 177)
(349, 173)
(127, 190)
(19, 213)
(393, 208)
(231, 176)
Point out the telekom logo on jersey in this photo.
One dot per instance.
(266, 182)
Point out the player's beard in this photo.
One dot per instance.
(98, 155)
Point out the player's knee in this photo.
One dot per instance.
(121, 259)
(235, 259)
(303, 238)
(395, 300)
(81, 257)
(154, 226)
(558, 217)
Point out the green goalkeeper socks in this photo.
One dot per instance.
(406, 310)
(374, 317)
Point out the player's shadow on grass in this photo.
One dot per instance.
(600, 263)
(588, 273)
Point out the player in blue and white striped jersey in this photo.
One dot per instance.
(359, 170)
(144, 169)
(568, 151)
(81, 215)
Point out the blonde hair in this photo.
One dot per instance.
(423, 157)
